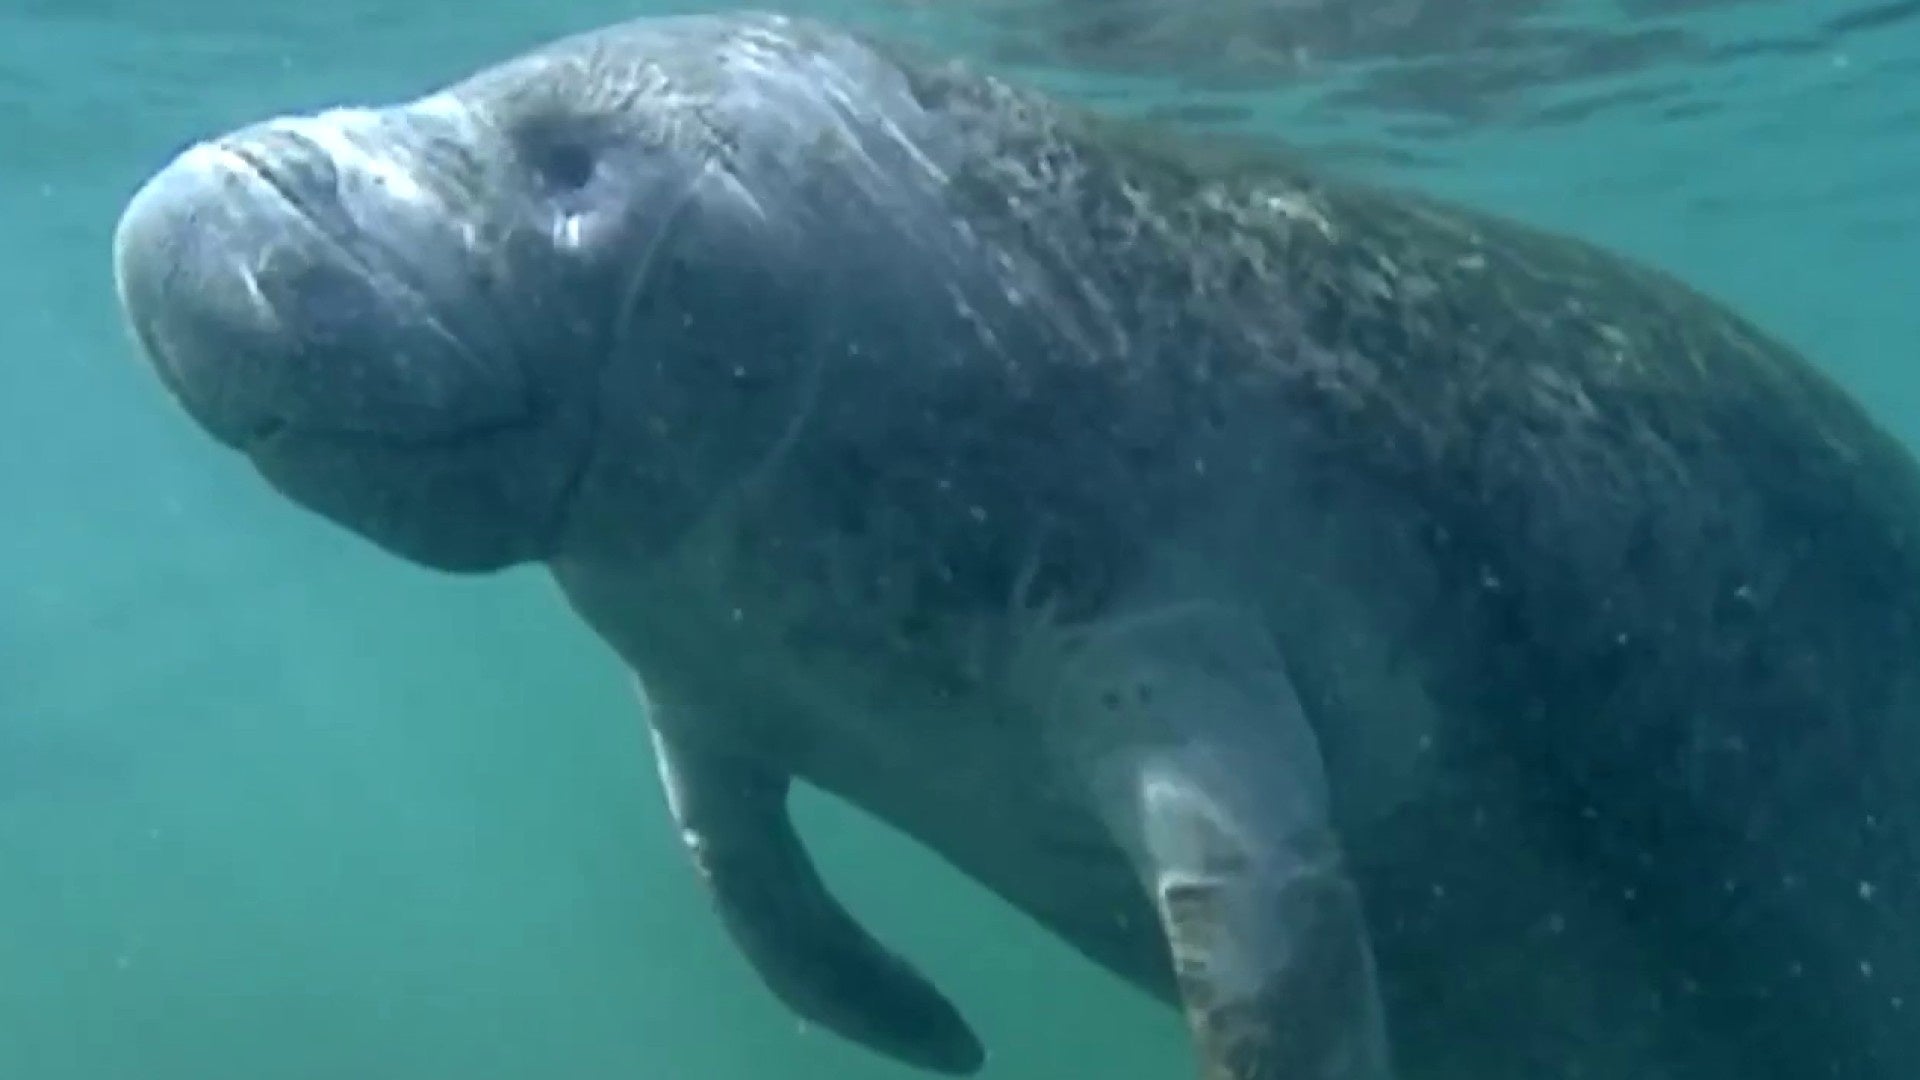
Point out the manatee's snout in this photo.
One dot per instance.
(312, 273)
(360, 302)
(549, 308)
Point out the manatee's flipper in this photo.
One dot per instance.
(1201, 760)
(810, 952)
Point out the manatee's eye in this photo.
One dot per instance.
(564, 164)
(562, 157)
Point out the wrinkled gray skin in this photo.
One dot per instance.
(1414, 645)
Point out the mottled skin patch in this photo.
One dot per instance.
(1665, 596)
(1604, 607)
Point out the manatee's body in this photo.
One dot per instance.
(1465, 654)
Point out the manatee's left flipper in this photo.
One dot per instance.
(1200, 758)
(810, 952)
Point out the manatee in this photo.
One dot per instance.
(1406, 643)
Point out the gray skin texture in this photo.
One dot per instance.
(864, 405)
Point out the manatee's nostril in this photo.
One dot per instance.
(293, 165)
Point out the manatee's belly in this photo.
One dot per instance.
(948, 767)
(976, 789)
(1501, 957)
(971, 784)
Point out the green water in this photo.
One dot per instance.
(275, 806)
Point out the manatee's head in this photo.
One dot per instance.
(593, 272)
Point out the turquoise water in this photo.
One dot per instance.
(276, 806)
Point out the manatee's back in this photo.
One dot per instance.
(1669, 574)
(1691, 570)
(1675, 607)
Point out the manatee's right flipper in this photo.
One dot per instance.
(1199, 756)
(810, 952)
